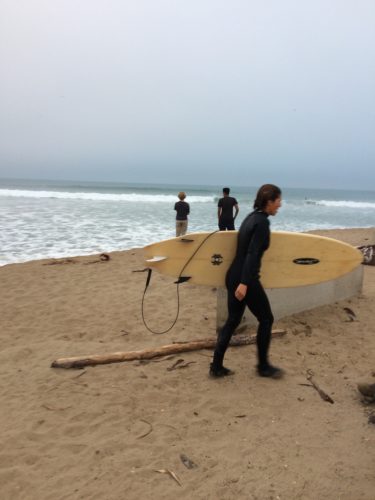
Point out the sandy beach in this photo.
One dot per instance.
(105, 431)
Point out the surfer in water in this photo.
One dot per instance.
(244, 287)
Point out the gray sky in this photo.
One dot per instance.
(238, 92)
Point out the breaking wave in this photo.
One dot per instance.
(342, 204)
(128, 197)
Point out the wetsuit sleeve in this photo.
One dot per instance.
(258, 244)
(188, 208)
(175, 206)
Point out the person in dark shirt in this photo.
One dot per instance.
(183, 209)
(244, 287)
(225, 211)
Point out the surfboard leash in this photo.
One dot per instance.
(180, 279)
(148, 279)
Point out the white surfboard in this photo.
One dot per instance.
(293, 259)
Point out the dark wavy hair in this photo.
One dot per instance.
(266, 193)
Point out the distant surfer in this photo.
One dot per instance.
(243, 285)
(225, 208)
(183, 209)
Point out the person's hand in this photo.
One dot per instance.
(240, 292)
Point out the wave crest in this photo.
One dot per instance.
(128, 197)
(346, 204)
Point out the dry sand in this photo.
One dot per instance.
(70, 434)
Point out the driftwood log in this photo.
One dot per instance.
(118, 357)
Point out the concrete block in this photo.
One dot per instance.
(287, 301)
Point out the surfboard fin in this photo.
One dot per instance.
(182, 279)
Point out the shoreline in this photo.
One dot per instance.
(354, 236)
(98, 432)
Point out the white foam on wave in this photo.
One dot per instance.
(304, 227)
(345, 204)
(43, 238)
(37, 224)
(127, 197)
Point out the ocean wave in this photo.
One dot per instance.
(345, 204)
(128, 197)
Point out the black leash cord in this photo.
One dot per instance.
(177, 289)
(143, 301)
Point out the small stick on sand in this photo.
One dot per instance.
(53, 408)
(321, 393)
(118, 357)
(148, 432)
(171, 473)
(180, 364)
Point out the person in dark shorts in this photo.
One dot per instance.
(244, 287)
(183, 209)
(225, 211)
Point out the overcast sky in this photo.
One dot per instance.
(236, 92)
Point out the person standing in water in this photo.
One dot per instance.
(244, 287)
(225, 211)
(183, 209)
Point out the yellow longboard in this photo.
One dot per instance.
(293, 259)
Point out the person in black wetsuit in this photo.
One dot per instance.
(243, 285)
(225, 211)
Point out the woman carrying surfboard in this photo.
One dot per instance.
(244, 287)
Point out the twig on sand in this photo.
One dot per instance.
(171, 473)
(180, 364)
(52, 408)
(148, 432)
(320, 391)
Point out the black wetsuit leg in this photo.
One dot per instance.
(235, 313)
(257, 301)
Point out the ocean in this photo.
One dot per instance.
(46, 219)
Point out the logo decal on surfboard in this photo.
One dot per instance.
(216, 259)
(306, 261)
